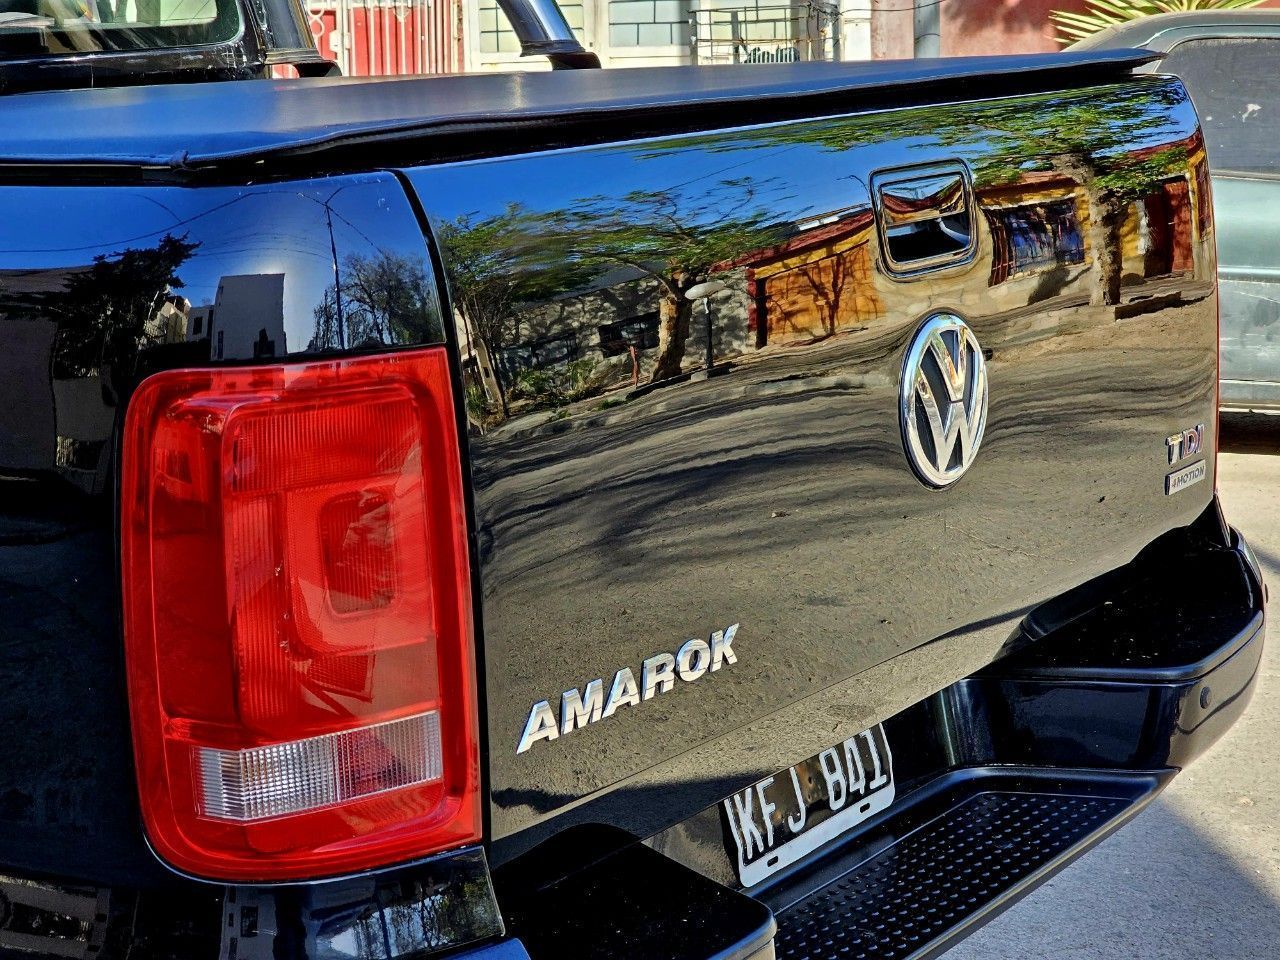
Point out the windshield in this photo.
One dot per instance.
(37, 28)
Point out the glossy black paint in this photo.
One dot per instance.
(610, 523)
(615, 522)
(594, 892)
(444, 904)
(1060, 704)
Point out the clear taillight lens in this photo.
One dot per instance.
(299, 775)
(297, 617)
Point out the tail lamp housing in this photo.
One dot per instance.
(297, 617)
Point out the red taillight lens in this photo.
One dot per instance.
(297, 617)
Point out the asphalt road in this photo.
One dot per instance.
(1197, 875)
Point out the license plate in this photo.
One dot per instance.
(785, 817)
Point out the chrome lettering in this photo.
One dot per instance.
(577, 710)
(624, 692)
(579, 707)
(722, 647)
(1184, 477)
(658, 674)
(1185, 444)
(693, 659)
(541, 725)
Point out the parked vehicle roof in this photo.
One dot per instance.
(1162, 31)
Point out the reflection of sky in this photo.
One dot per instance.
(797, 181)
(275, 228)
(804, 180)
(566, 178)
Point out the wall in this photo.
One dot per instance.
(983, 27)
(389, 37)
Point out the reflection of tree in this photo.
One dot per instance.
(1118, 145)
(102, 312)
(500, 265)
(414, 916)
(387, 298)
(828, 280)
(677, 238)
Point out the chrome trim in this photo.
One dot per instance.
(945, 354)
(542, 29)
(580, 707)
(936, 191)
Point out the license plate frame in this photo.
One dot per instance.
(781, 819)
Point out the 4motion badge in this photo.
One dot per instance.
(1184, 446)
(658, 674)
(943, 400)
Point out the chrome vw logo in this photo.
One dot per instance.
(943, 400)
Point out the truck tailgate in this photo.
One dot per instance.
(774, 502)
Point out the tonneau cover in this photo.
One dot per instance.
(191, 125)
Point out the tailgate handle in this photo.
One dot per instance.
(925, 217)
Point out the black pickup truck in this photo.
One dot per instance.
(684, 513)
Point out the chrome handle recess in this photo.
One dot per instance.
(925, 217)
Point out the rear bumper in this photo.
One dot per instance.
(1005, 778)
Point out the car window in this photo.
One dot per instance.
(34, 28)
(1236, 88)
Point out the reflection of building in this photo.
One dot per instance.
(1033, 236)
(1040, 222)
(619, 337)
(1029, 239)
(540, 353)
(815, 284)
(247, 317)
(1036, 224)
(199, 317)
(169, 323)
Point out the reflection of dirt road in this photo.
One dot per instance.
(778, 497)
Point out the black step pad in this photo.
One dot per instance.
(941, 876)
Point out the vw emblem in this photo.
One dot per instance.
(943, 400)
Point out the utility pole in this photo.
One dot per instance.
(337, 279)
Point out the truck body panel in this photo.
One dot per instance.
(678, 308)
(777, 496)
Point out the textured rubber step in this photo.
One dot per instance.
(916, 893)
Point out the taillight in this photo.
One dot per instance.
(297, 617)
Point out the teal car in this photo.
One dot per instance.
(1228, 61)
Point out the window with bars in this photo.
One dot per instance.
(649, 23)
(620, 336)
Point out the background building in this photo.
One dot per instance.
(392, 37)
